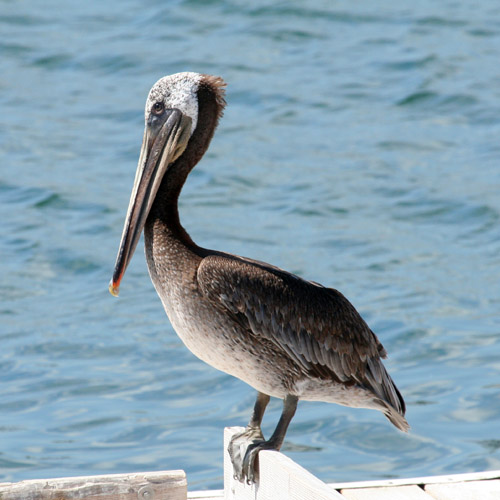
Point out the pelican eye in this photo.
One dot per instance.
(158, 108)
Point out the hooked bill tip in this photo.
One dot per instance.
(114, 290)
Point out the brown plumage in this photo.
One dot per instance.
(285, 336)
(317, 327)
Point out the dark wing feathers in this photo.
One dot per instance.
(316, 326)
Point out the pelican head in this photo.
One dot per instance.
(171, 118)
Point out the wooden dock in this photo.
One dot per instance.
(280, 479)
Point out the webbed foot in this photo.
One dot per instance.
(240, 450)
(244, 447)
(250, 469)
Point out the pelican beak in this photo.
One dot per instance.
(165, 139)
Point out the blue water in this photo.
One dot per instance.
(360, 148)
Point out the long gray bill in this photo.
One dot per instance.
(165, 139)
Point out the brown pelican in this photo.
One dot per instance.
(287, 337)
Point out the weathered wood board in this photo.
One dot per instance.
(408, 492)
(471, 490)
(281, 478)
(170, 485)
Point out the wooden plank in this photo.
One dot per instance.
(473, 490)
(279, 474)
(171, 485)
(280, 479)
(452, 478)
(205, 495)
(408, 492)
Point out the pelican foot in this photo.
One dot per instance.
(250, 469)
(239, 447)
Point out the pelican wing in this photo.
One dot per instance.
(316, 326)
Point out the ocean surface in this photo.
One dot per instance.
(360, 148)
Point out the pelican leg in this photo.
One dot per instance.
(249, 469)
(251, 435)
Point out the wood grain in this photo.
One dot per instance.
(169, 485)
